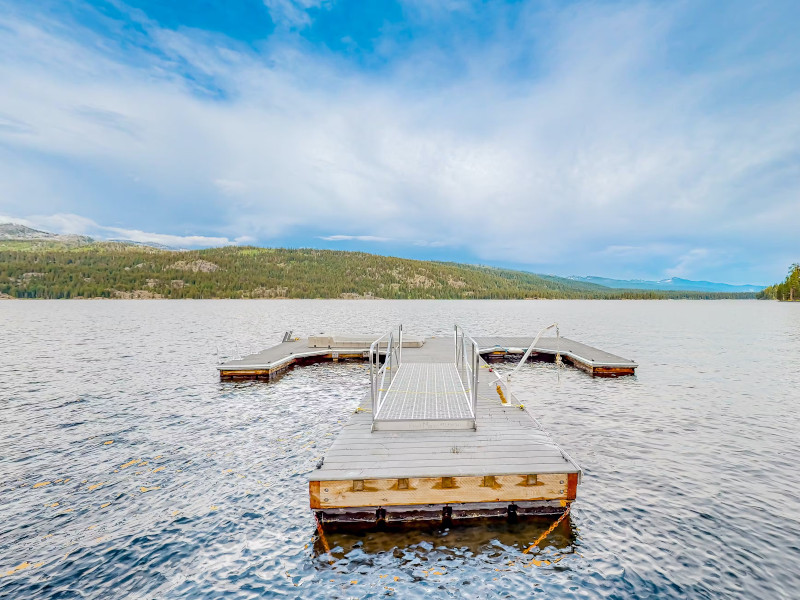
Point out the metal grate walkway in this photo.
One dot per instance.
(421, 391)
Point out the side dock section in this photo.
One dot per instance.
(593, 361)
(272, 362)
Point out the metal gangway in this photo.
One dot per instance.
(427, 392)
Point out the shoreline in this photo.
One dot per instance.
(361, 299)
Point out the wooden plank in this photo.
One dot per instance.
(453, 469)
(429, 490)
(463, 462)
(445, 444)
(313, 493)
(572, 486)
(414, 453)
(518, 445)
(612, 371)
(496, 453)
(244, 373)
(483, 433)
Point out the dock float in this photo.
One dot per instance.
(440, 436)
(272, 362)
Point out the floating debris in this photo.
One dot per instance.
(16, 569)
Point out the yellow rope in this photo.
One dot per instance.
(500, 393)
(548, 532)
(322, 539)
(541, 538)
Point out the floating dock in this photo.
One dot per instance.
(292, 351)
(440, 436)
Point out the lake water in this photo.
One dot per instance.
(691, 485)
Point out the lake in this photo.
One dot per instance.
(127, 469)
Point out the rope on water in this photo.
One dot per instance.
(323, 540)
(550, 529)
(542, 537)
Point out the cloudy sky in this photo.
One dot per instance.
(624, 139)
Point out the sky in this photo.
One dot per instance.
(621, 139)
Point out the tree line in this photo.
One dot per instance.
(108, 270)
(789, 290)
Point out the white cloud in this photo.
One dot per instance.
(293, 13)
(431, 244)
(229, 187)
(176, 241)
(688, 261)
(76, 224)
(359, 238)
(597, 144)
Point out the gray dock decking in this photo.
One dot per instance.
(444, 443)
(276, 359)
(507, 440)
(551, 345)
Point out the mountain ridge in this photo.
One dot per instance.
(15, 232)
(671, 283)
(38, 264)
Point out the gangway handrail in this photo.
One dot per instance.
(391, 363)
(507, 379)
(467, 361)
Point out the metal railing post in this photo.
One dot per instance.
(372, 375)
(476, 369)
(400, 346)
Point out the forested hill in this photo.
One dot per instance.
(120, 270)
(788, 290)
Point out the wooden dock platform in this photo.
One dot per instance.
(275, 360)
(439, 436)
(595, 362)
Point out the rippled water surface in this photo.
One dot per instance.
(127, 469)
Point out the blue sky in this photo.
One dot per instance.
(623, 139)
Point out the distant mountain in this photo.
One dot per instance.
(673, 283)
(14, 236)
(144, 244)
(113, 270)
(14, 232)
(38, 264)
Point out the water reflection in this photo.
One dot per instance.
(490, 538)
